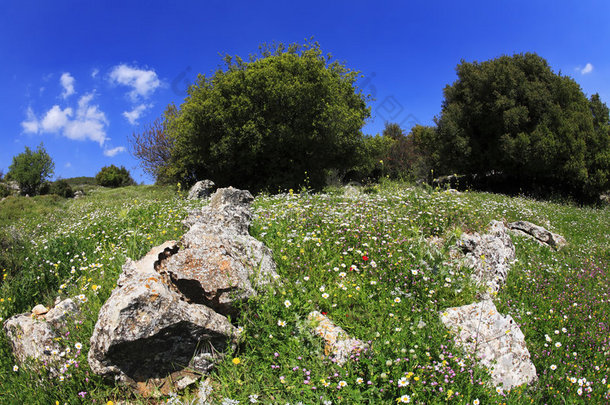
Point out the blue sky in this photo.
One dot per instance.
(81, 76)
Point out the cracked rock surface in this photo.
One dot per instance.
(164, 324)
(496, 340)
(538, 233)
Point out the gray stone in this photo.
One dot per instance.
(220, 264)
(495, 340)
(78, 194)
(33, 335)
(490, 255)
(538, 233)
(201, 189)
(337, 342)
(148, 336)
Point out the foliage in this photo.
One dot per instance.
(61, 188)
(112, 176)
(152, 147)
(81, 181)
(4, 190)
(286, 115)
(514, 115)
(30, 169)
(370, 163)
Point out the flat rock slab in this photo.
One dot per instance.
(495, 339)
(337, 342)
(490, 255)
(538, 233)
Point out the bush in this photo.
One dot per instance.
(515, 116)
(112, 176)
(62, 189)
(4, 190)
(279, 121)
(31, 169)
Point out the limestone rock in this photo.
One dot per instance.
(39, 310)
(201, 189)
(219, 270)
(32, 335)
(78, 194)
(496, 340)
(489, 254)
(220, 264)
(149, 337)
(337, 343)
(538, 233)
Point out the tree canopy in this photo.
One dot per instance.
(30, 169)
(514, 115)
(112, 176)
(278, 121)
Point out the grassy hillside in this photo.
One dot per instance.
(366, 261)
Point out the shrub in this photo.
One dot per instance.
(112, 176)
(62, 189)
(515, 116)
(287, 115)
(30, 169)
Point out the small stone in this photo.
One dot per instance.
(337, 342)
(39, 310)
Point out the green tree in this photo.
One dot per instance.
(112, 176)
(280, 120)
(514, 115)
(30, 169)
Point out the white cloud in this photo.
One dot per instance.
(587, 69)
(55, 119)
(135, 114)
(67, 82)
(30, 125)
(68, 165)
(142, 82)
(95, 72)
(114, 151)
(89, 122)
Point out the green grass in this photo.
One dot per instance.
(364, 261)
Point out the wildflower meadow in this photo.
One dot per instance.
(377, 262)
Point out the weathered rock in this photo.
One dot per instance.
(219, 270)
(201, 189)
(39, 310)
(337, 343)
(496, 340)
(490, 255)
(33, 335)
(78, 194)
(149, 337)
(220, 264)
(538, 233)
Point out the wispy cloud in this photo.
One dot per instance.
(67, 82)
(142, 82)
(114, 151)
(135, 114)
(95, 72)
(587, 69)
(30, 125)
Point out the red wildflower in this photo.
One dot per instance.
(365, 258)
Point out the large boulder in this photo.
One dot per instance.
(201, 189)
(164, 324)
(148, 336)
(538, 233)
(33, 335)
(490, 255)
(220, 264)
(495, 339)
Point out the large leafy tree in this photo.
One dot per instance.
(30, 169)
(278, 121)
(514, 115)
